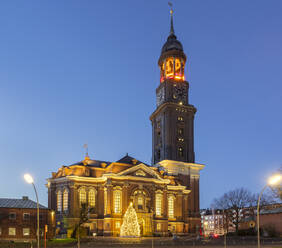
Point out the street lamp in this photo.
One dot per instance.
(272, 181)
(28, 178)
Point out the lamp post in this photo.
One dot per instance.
(272, 181)
(28, 178)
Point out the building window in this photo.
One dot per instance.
(140, 202)
(91, 198)
(26, 231)
(82, 196)
(59, 201)
(180, 152)
(12, 216)
(180, 139)
(105, 201)
(158, 154)
(12, 231)
(159, 198)
(171, 207)
(26, 216)
(66, 200)
(117, 224)
(180, 118)
(117, 201)
(180, 131)
(159, 227)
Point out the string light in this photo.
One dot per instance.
(130, 226)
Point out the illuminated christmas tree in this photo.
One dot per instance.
(130, 226)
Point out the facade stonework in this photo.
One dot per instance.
(165, 195)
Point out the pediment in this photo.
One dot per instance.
(140, 170)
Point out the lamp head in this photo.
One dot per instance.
(274, 179)
(28, 178)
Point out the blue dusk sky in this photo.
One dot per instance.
(76, 72)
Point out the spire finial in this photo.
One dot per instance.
(86, 150)
(171, 19)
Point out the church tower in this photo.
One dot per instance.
(173, 120)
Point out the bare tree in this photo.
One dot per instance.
(233, 202)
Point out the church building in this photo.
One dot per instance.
(165, 194)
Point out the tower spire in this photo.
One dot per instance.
(86, 150)
(171, 19)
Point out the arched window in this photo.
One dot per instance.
(66, 200)
(91, 198)
(171, 207)
(82, 196)
(59, 201)
(159, 201)
(117, 201)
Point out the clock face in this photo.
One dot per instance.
(180, 93)
(160, 96)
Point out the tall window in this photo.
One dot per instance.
(59, 201)
(117, 201)
(65, 200)
(171, 207)
(159, 198)
(140, 202)
(180, 152)
(91, 198)
(82, 196)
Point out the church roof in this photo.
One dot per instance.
(172, 43)
(19, 203)
(92, 163)
(129, 160)
(97, 163)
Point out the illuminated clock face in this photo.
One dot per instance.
(179, 93)
(160, 96)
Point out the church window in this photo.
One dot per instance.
(177, 66)
(180, 152)
(159, 198)
(180, 131)
(169, 68)
(158, 154)
(159, 227)
(180, 118)
(117, 201)
(158, 124)
(82, 196)
(171, 207)
(105, 201)
(65, 200)
(91, 198)
(117, 224)
(59, 201)
(140, 202)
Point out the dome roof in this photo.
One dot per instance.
(172, 44)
